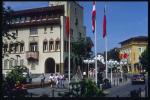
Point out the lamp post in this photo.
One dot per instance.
(110, 63)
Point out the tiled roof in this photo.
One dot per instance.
(138, 38)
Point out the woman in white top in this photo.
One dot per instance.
(50, 80)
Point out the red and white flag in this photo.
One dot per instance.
(104, 24)
(67, 26)
(93, 17)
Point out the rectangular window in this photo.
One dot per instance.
(34, 31)
(22, 19)
(28, 19)
(17, 20)
(75, 11)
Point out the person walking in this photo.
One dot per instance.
(50, 80)
(42, 80)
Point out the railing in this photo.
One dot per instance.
(32, 54)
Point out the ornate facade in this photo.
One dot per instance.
(41, 43)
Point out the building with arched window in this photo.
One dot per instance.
(41, 42)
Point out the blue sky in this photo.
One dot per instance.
(124, 20)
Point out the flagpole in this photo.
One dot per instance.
(95, 51)
(106, 56)
(106, 50)
(69, 49)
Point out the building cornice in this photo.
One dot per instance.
(36, 23)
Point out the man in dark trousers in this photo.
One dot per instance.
(42, 80)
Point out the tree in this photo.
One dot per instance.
(6, 24)
(82, 49)
(16, 75)
(144, 59)
(113, 54)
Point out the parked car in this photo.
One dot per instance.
(138, 78)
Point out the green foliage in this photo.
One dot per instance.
(113, 54)
(16, 75)
(144, 59)
(6, 20)
(91, 88)
(84, 88)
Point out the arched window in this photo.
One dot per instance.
(5, 47)
(51, 44)
(16, 47)
(33, 46)
(45, 45)
(11, 47)
(10, 63)
(6, 64)
(22, 46)
(57, 47)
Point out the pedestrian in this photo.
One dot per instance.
(42, 80)
(50, 79)
(56, 80)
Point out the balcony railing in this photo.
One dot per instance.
(32, 55)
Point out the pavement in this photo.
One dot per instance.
(122, 89)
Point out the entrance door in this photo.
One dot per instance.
(50, 65)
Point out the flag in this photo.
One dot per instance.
(68, 22)
(125, 56)
(67, 26)
(104, 24)
(93, 17)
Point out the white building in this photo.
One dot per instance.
(42, 44)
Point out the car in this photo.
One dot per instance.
(138, 78)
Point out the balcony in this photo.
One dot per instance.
(32, 55)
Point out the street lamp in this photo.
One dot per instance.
(121, 63)
(110, 64)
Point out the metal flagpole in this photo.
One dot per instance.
(106, 50)
(69, 48)
(95, 51)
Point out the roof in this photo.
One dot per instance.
(38, 10)
(138, 38)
